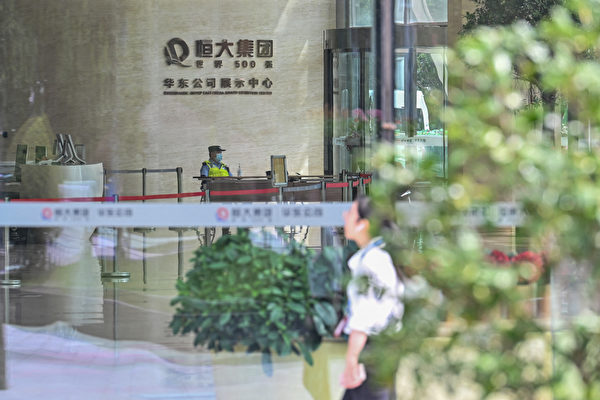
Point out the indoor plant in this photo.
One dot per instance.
(238, 293)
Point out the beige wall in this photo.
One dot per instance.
(101, 66)
(457, 10)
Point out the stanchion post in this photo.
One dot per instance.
(6, 308)
(7, 282)
(179, 253)
(345, 189)
(104, 183)
(323, 199)
(116, 275)
(6, 248)
(115, 238)
(179, 172)
(144, 172)
(144, 230)
(206, 228)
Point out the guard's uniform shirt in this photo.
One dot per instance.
(372, 307)
(212, 169)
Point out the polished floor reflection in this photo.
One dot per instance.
(71, 334)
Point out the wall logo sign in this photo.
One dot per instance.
(171, 52)
(218, 65)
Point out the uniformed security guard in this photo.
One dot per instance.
(214, 167)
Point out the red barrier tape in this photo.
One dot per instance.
(65, 199)
(180, 195)
(365, 175)
(242, 192)
(337, 185)
(161, 196)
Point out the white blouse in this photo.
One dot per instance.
(372, 306)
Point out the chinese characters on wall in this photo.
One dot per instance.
(247, 64)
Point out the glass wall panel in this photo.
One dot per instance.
(108, 108)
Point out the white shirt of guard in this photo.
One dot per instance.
(372, 310)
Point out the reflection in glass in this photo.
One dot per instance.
(361, 13)
(407, 11)
(420, 130)
(421, 11)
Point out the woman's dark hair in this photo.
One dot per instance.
(365, 210)
(364, 206)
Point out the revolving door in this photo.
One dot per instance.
(420, 96)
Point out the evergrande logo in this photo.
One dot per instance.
(171, 54)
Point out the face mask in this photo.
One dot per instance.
(219, 157)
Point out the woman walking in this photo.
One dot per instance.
(371, 307)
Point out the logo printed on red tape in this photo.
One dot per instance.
(46, 213)
(222, 214)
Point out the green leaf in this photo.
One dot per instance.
(231, 253)
(327, 313)
(243, 260)
(299, 308)
(286, 348)
(176, 324)
(276, 314)
(319, 326)
(298, 295)
(217, 265)
(287, 273)
(306, 353)
(224, 318)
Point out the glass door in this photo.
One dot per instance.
(420, 96)
(354, 115)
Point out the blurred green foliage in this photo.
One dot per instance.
(506, 12)
(481, 342)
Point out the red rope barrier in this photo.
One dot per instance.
(180, 195)
(161, 196)
(336, 185)
(242, 192)
(366, 181)
(112, 199)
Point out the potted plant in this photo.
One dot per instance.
(238, 293)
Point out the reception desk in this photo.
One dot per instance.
(260, 189)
